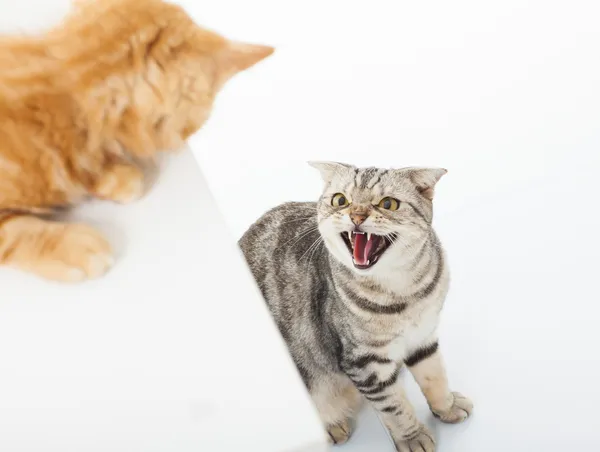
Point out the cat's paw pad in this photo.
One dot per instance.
(422, 441)
(73, 253)
(459, 411)
(122, 183)
(339, 433)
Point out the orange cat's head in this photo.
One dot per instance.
(150, 67)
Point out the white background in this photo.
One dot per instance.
(504, 94)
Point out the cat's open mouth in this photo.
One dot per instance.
(366, 249)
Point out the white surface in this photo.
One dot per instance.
(503, 94)
(173, 350)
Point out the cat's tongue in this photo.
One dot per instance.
(362, 249)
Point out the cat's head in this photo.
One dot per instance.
(198, 71)
(371, 218)
(163, 70)
(190, 65)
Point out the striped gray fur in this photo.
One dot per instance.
(351, 330)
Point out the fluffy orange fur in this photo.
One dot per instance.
(84, 105)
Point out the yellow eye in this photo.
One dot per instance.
(339, 200)
(389, 203)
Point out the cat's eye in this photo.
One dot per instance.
(339, 200)
(389, 203)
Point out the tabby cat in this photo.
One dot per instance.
(85, 106)
(355, 311)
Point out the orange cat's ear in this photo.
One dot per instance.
(238, 56)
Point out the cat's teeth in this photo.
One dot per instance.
(350, 235)
(368, 236)
(368, 262)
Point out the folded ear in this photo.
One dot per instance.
(329, 170)
(425, 179)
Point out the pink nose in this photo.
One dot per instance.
(358, 218)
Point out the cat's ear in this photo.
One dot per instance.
(425, 179)
(235, 57)
(328, 170)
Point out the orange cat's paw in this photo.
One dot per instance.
(121, 183)
(73, 253)
(79, 252)
(56, 251)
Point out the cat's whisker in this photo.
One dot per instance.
(398, 239)
(308, 249)
(300, 236)
(319, 245)
(312, 248)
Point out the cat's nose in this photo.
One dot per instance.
(358, 218)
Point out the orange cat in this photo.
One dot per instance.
(116, 83)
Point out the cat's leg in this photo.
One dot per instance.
(56, 251)
(338, 402)
(376, 377)
(427, 367)
(121, 182)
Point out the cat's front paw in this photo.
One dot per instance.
(339, 433)
(459, 411)
(422, 441)
(71, 253)
(121, 183)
